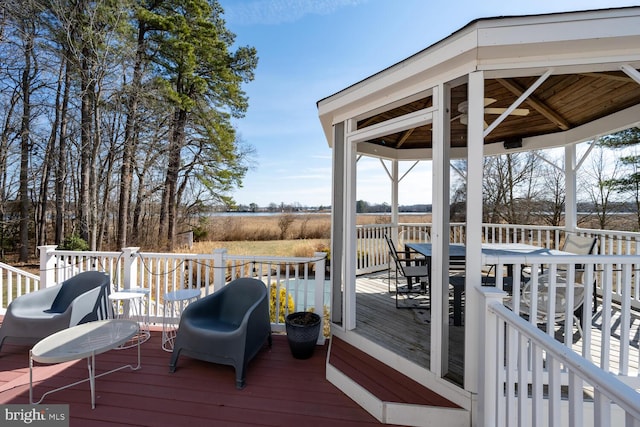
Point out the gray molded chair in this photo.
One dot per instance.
(79, 299)
(228, 327)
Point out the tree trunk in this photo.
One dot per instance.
(61, 169)
(25, 146)
(171, 182)
(130, 138)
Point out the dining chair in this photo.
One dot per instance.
(538, 291)
(409, 268)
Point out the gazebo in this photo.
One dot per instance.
(497, 85)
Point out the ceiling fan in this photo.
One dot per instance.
(463, 109)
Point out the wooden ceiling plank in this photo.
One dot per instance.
(536, 104)
(623, 79)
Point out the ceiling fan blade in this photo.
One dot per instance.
(489, 101)
(463, 107)
(516, 112)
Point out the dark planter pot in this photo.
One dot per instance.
(303, 328)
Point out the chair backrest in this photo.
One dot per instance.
(393, 253)
(240, 295)
(542, 296)
(76, 286)
(580, 245)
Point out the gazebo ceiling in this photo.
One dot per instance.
(561, 103)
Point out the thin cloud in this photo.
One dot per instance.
(273, 12)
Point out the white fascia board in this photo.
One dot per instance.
(503, 70)
(526, 66)
(534, 31)
(397, 95)
(387, 153)
(398, 124)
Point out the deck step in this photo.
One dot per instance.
(387, 394)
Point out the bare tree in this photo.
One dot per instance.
(553, 199)
(596, 182)
(509, 188)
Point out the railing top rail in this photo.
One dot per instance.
(93, 254)
(616, 233)
(265, 259)
(174, 255)
(561, 259)
(620, 393)
(19, 271)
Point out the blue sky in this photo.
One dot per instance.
(311, 49)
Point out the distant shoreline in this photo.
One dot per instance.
(231, 214)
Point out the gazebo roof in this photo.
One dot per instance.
(592, 57)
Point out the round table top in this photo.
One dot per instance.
(83, 340)
(182, 294)
(122, 295)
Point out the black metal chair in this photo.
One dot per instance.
(79, 299)
(228, 327)
(411, 269)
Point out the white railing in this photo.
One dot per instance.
(612, 321)
(15, 282)
(531, 379)
(373, 253)
(300, 287)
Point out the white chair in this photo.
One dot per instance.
(539, 292)
(575, 244)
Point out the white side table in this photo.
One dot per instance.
(174, 304)
(133, 304)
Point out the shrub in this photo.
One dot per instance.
(285, 301)
(74, 243)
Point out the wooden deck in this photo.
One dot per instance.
(407, 331)
(404, 331)
(280, 390)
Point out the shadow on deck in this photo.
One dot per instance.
(407, 332)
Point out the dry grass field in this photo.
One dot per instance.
(299, 235)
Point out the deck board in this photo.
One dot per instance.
(381, 380)
(280, 390)
(406, 332)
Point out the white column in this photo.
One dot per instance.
(570, 206)
(440, 236)
(394, 199)
(337, 225)
(474, 313)
(349, 230)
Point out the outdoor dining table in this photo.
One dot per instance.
(458, 252)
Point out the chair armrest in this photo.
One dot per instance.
(38, 299)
